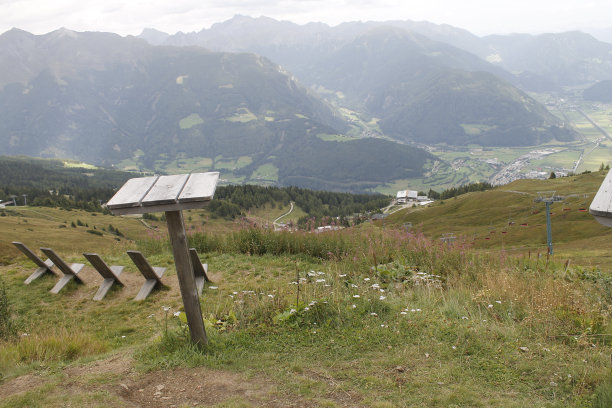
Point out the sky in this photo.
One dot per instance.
(130, 17)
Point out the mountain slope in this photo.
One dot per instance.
(419, 89)
(430, 92)
(106, 99)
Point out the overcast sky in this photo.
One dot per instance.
(131, 16)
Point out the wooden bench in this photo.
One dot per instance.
(110, 274)
(43, 267)
(152, 274)
(70, 272)
(200, 270)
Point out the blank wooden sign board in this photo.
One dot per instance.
(172, 194)
(601, 207)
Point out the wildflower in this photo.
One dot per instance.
(213, 287)
(356, 296)
(403, 313)
(366, 279)
(235, 293)
(327, 285)
(166, 308)
(293, 283)
(177, 314)
(312, 273)
(150, 316)
(292, 311)
(354, 286)
(418, 310)
(320, 273)
(320, 280)
(464, 318)
(382, 297)
(312, 303)
(490, 306)
(123, 337)
(354, 306)
(375, 286)
(271, 296)
(306, 309)
(454, 347)
(412, 310)
(342, 275)
(373, 314)
(498, 301)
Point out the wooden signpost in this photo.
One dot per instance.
(172, 194)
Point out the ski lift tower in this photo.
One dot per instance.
(548, 197)
(601, 207)
(172, 194)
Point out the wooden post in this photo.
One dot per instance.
(184, 271)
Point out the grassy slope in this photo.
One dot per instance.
(459, 347)
(475, 217)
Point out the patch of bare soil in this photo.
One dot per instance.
(21, 384)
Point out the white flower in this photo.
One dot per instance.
(403, 313)
(382, 297)
(270, 296)
(293, 283)
(412, 310)
(213, 287)
(342, 275)
(166, 308)
(418, 310)
(498, 301)
(292, 311)
(311, 273)
(327, 285)
(354, 306)
(464, 318)
(490, 306)
(366, 279)
(354, 286)
(320, 273)
(150, 316)
(177, 314)
(235, 293)
(306, 309)
(356, 296)
(454, 347)
(312, 303)
(373, 314)
(123, 337)
(320, 280)
(375, 286)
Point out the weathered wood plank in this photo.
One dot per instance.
(70, 272)
(184, 272)
(200, 270)
(199, 187)
(132, 192)
(165, 190)
(152, 274)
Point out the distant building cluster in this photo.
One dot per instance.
(409, 196)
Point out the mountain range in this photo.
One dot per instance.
(284, 103)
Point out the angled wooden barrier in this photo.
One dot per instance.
(200, 270)
(70, 272)
(110, 274)
(152, 274)
(43, 267)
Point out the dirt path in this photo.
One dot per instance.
(124, 386)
